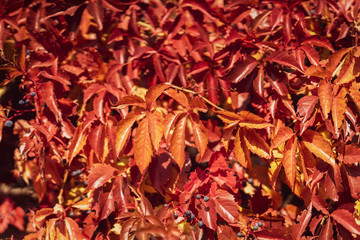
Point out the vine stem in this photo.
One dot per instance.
(60, 196)
(196, 94)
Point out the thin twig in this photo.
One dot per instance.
(196, 94)
(60, 196)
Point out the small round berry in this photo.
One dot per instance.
(9, 123)
(192, 216)
(27, 101)
(198, 196)
(239, 234)
(255, 227)
(187, 213)
(88, 212)
(200, 223)
(188, 220)
(244, 184)
(32, 94)
(250, 180)
(71, 214)
(165, 205)
(21, 102)
(175, 215)
(260, 224)
(85, 183)
(206, 198)
(74, 173)
(76, 183)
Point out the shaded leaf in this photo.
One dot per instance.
(99, 175)
(343, 216)
(240, 70)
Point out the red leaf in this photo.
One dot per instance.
(351, 154)
(240, 70)
(285, 57)
(142, 146)
(343, 216)
(99, 175)
(258, 82)
(327, 231)
(226, 206)
(287, 28)
(304, 220)
(97, 12)
(322, 42)
(207, 213)
(77, 142)
(46, 93)
(306, 107)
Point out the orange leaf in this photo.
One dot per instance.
(177, 145)
(339, 108)
(242, 153)
(227, 117)
(315, 71)
(156, 128)
(250, 120)
(123, 131)
(199, 105)
(178, 96)
(282, 135)
(347, 71)
(142, 145)
(334, 61)
(316, 144)
(326, 96)
(153, 93)
(256, 143)
(77, 142)
(169, 122)
(200, 134)
(355, 93)
(289, 161)
(130, 100)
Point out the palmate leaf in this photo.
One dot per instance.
(177, 145)
(143, 146)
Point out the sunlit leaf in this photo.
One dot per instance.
(142, 146)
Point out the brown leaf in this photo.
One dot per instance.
(325, 96)
(289, 161)
(316, 144)
(177, 145)
(339, 108)
(199, 133)
(142, 146)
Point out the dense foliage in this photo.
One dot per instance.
(190, 119)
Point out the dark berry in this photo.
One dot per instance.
(165, 205)
(192, 216)
(9, 123)
(250, 180)
(175, 215)
(260, 224)
(255, 227)
(88, 212)
(27, 101)
(85, 183)
(71, 214)
(187, 213)
(200, 223)
(74, 173)
(63, 161)
(206, 198)
(32, 94)
(188, 220)
(76, 183)
(239, 234)
(198, 196)
(244, 184)
(21, 102)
